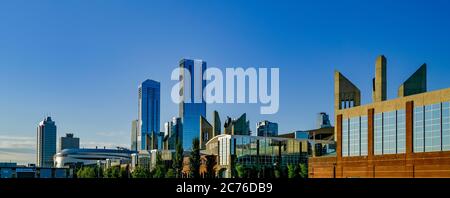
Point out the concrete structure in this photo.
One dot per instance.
(46, 143)
(238, 126)
(379, 87)
(69, 142)
(267, 129)
(403, 137)
(193, 104)
(134, 135)
(148, 113)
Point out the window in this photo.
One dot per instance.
(389, 132)
(401, 131)
(378, 134)
(446, 126)
(433, 127)
(364, 135)
(418, 136)
(354, 133)
(345, 136)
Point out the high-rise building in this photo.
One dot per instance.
(267, 129)
(172, 133)
(46, 142)
(148, 113)
(134, 135)
(323, 120)
(69, 142)
(193, 104)
(238, 126)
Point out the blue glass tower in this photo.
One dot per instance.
(193, 105)
(148, 114)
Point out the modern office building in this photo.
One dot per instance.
(323, 120)
(264, 152)
(267, 129)
(173, 132)
(69, 142)
(217, 124)
(46, 142)
(148, 114)
(12, 170)
(240, 126)
(193, 104)
(91, 157)
(408, 136)
(134, 135)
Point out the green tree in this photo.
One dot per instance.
(303, 170)
(160, 168)
(86, 172)
(170, 173)
(293, 171)
(241, 171)
(141, 172)
(195, 159)
(112, 172)
(177, 164)
(210, 163)
(124, 172)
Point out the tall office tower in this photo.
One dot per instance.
(193, 104)
(267, 129)
(148, 113)
(46, 142)
(69, 142)
(216, 124)
(134, 135)
(323, 120)
(238, 126)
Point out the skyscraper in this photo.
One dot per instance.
(46, 142)
(69, 142)
(193, 104)
(323, 120)
(134, 135)
(267, 129)
(148, 113)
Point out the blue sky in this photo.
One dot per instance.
(82, 61)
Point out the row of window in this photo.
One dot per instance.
(432, 128)
(431, 131)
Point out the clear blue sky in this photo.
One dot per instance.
(81, 61)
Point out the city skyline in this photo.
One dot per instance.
(86, 76)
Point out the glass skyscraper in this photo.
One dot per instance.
(193, 104)
(46, 142)
(148, 114)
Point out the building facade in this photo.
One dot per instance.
(406, 137)
(267, 129)
(91, 157)
(148, 114)
(173, 132)
(323, 120)
(254, 150)
(69, 142)
(46, 143)
(134, 135)
(193, 104)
